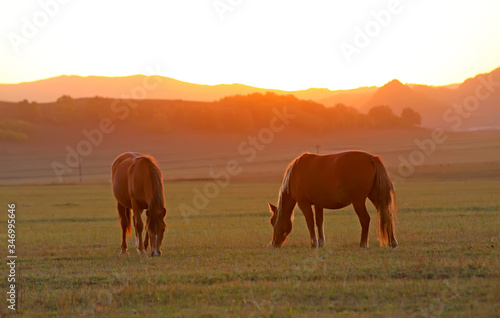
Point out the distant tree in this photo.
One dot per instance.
(383, 116)
(65, 99)
(342, 116)
(63, 110)
(98, 108)
(29, 111)
(411, 117)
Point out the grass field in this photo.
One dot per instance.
(219, 263)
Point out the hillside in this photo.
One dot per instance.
(471, 105)
(399, 96)
(155, 87)
(237, 113)
(435, 104)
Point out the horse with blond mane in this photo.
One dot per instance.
(332, 182)
(137, 185)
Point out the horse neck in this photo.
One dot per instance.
(285, 204)
(156, 204)
(285, 201)
(157, 201)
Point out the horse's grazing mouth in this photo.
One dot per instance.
(155, 251)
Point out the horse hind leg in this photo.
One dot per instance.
(364, 220)
(308, 214)
(318, 211)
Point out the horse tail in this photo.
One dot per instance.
(384, 198)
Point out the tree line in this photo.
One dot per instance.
(238, 113)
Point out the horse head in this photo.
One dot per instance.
(156, 228)
(282, 226)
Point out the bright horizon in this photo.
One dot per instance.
(283, 45)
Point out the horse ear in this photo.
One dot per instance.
(272, 208)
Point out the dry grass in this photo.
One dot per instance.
(219, 263)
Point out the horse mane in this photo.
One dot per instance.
(285, 186)
(157, 201)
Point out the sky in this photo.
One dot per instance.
(279, 44)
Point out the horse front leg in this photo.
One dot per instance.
(318, 211)
(139, 226)
(146, 238)
(308, 214)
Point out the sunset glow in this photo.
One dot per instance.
(280, 44)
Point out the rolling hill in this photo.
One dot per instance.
(399, 96)
(155, 87)
(435, 104)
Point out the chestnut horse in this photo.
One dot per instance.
(137, 185)
(334, 181)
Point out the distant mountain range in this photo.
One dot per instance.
(441, 106)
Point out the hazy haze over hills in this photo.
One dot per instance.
(432, 102)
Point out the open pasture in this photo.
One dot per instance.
(220, 263)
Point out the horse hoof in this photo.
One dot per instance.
(394, 244)
(123, 252)
(314, 243)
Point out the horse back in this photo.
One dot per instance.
(332, 181)
(140, 186)
(120, 177)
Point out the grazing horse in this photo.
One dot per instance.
(332, 182)
(137, 185)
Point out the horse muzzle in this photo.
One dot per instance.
(155, 249)
(155, 253)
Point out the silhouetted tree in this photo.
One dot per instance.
(411, 117)
(383, 116)
(29, 111)
(342, 116)
(63, 110)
